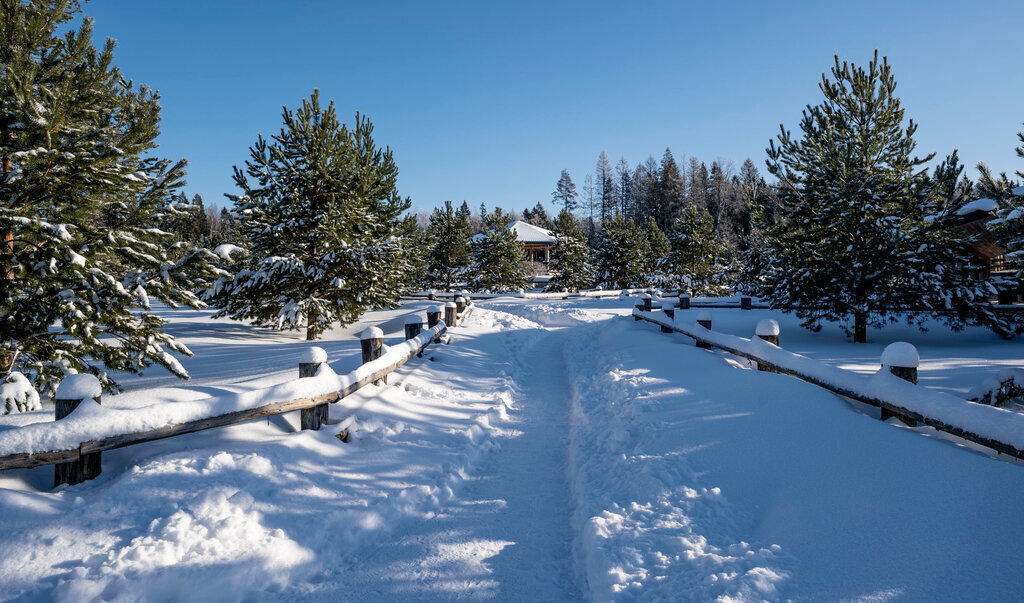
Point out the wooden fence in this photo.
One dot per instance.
(1010, 425)
(81, 462)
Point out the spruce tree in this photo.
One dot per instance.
(500, 265)
(322, 215)
(565, 192)
(864, 229)
(449, 258)
(620, 251)
(656, 251)
(605, 185)
(571, 262)
(81, 252)
(670, 192)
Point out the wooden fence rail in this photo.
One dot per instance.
(780, 361)
(348, 384)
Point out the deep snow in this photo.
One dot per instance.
(556, 450)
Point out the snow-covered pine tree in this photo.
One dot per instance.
(80, 252)
(565, 192)
(571, 262)
(499, 264)
(324, 222)
(692, 260)
(620, 254)
(858, 211)
(670, 192)
(656, 251)
(1009, 226)
(448, 238)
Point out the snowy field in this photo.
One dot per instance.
(556, 450)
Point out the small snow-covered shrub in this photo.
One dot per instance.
(18, 394)
(1002, 390)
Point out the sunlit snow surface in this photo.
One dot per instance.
(556, 450)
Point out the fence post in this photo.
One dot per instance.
(902, 360)
(434, 317)
(768, 330)
(450, 314)
(746, 303)
(71, 392)
(671, 314)
(647, 302)
(313, 418)
(413, 327)
(431, 295)
(704, 320)
(460, 304)
(465, 296)
(371, 341)
(684, 302)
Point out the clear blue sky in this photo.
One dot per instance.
(487, 102)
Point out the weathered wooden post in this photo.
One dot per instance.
(704, 320)
(902, 360)
(768, 330)
(647, 302)
(71, 392)
(746, 303)
(431, 295)
(684, 301)
(465, 295)
(371, 340)
(460, 304)
(670, 312)
(309, 364)
(434, 317)
(413, 327)
(450, 314)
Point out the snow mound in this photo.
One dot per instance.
(18, 395)
(704, 315)
(414, 319)
(900, 354)
(188, 550)
(79, 387)
(371, 333)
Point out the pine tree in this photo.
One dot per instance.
(571, 262)
(624, 188)
(81, 252)
(671, 192)
(500, 265)
(449, 258)
(621, 249)
(656, 251)
(1009, 227)
(200, 223)
(605, 185)
(323, 217)
(694, 250)
(864, 230)
(538, 216)
(565, 192)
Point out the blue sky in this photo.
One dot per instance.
(488, 102)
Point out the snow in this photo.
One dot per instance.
(225, 250)
(18, 395)
(414, 319)
(314, 355)
(978, 205)
(767, 327)
(371, 333)
(79, 386)
(901, 354)
(704, 315)
(556, 450)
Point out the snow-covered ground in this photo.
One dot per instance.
(556, 450)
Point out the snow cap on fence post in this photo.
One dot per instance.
(767, 330)
(704, 320)
(413, 327)
(624, 294)
(902, 359)
(371, 342)
(72, 391)
(309, 365)
(431, 295)
(450, 314)
(434, 317)
(460, 304)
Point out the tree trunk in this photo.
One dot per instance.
(860, 326)
(311, 327)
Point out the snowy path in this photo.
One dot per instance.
(507, 535)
